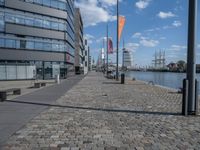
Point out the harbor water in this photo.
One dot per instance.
(167, 79)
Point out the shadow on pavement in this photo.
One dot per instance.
(98, 109)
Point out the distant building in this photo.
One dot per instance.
(127, 58)
(36, 39)
(90, 62)
(78, 42)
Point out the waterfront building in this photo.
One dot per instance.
(78, 42)
(36, 39)
(127, 59)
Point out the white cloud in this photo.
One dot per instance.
(164, 15)
(177, 23)
(109, 2)
(148, 42)
(132, 46)
(177, 47)
(89, 38)
(142, 4)
(137, 35)
(198, 46)
(93, 13)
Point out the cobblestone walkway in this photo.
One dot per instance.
(100, 114)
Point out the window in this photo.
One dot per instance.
(38, 45)
(54, 3)
(55, 47)
(47, 46)
(17, 43)
(10, 43)
(38, 1)
(22, 44)
(46, 2)
(46, 24)
(61, 27)
(19, 19)
(9, 18)
(1, 2)
(54, 25)
(30, 45)
(2, 42)
(29, 21)
(38, 23)
(61, 5)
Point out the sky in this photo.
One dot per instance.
(151, 25)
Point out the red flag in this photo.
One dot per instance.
(110, 46)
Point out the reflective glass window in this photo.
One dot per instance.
(46, 24)
(19, 19)
(22, 44)
(17, 43)
(55, 47)
(61, 27)
(47, 46)
(1, 2)
(10, 43)
(29, 21)
(38, 1)
(38, 45)
(54, 25)
(29, 1)
(30, 45)
(61, 5)
(54, 3)
(2, 42)
(47, 2)
(38, 22)
(9, 18)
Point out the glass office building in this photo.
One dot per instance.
(36, 39)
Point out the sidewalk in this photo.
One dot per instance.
(17, 112)
(101, 114)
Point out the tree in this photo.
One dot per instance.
(181, 64)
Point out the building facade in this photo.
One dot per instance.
(127, 59)
(37, 39)
(79, 44)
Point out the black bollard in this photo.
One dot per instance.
(122, 78)
(185, 98)
(196, 97)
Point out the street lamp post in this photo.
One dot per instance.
(191, 60)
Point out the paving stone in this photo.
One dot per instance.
(131, 116)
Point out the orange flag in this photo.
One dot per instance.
(121, 26)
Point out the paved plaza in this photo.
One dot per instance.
(101, 114)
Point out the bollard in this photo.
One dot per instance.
(196, 97)
(185, 98)
(122, 78)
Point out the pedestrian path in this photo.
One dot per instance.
(17, 112)
(101, 114)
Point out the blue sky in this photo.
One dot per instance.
(151, 25)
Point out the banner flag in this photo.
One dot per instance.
(121, 26)
(110, 46)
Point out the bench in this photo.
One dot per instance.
(3, 93)
(39, 84)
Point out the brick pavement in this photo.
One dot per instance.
(100, 114)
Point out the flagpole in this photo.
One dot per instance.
(107, 48)
(123, 55)
(117, 67)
